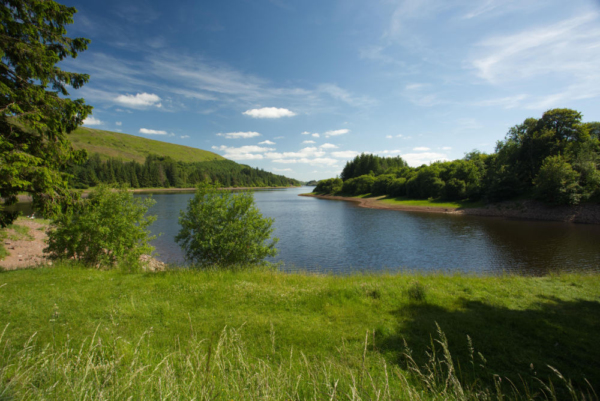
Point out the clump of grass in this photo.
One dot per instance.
(417, 292)
(222, 368)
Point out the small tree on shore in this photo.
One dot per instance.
(107, 229)
(224, 228)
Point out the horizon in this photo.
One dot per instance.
(299, 90)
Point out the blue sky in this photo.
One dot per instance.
(300, 87)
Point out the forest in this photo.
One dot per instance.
(164, 172)
(554, 159)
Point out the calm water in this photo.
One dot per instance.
(336, 236)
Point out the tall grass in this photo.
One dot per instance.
(222, 368)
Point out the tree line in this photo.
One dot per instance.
(555, 159)
(164, 172)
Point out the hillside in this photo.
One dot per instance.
(134, 148)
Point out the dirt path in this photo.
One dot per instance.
(28, 249)
(522, 210)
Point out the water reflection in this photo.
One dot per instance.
(320, 235)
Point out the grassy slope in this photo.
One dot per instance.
(517, 323)
(129, 147)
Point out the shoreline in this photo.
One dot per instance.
(27, 198)
(517, 210)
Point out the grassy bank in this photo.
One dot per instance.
(76, 333)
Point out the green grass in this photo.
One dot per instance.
(432, 203)
(263, 334)
(130, 147)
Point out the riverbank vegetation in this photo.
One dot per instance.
(554, 159)
(71, 332)
(165, 172)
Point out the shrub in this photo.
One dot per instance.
(224, 228)
(104, 230)
(397, 187)
(329, 186)
(380, 186)
(359, 185)
(455, 189)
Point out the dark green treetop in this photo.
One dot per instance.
(35, 114)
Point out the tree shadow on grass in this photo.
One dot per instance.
(516, 344)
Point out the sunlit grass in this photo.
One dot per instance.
(293, 334)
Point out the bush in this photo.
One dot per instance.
(104, 230)
(455, 189)
(397, 187)
(224, 228)
(380, 186)
(329, 186)
(359, 185)
(557, 183)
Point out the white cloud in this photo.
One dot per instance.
(141, 100)
(267, 142)
(269, 112)
(345, 154)
(315, 135)
(251, 152)
(118, 123)
(237, 135)
(281, 169)
(343, 95)
(389, 136)
(446, 148)
(336, 132)
(306, 133)
(565, 52)
(421, 149)
(307, 142)
(310, 151)
(320, 161)
(184, 136)
(328, 146)
(90, 120)
(152, 132)
(417, 159)
(279, 137)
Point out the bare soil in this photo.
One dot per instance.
(523, 210)
(26, 252)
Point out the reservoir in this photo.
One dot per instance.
(320, 236)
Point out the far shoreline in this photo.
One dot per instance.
(518, 210)
(85, 192)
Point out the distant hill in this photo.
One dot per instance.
(134, 148)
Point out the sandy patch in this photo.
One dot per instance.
(26, 252)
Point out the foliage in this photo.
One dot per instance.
(222, 227)
(35, 115)
(557, 183)
(359, 185)
(370, 164)
(108, 228)
(330, 186)
(513, 170)
(164, 172)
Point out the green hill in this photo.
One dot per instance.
(134, 148)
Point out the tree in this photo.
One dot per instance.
(225, 228)
(35, 116)
(104, 230)
(557, 183)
